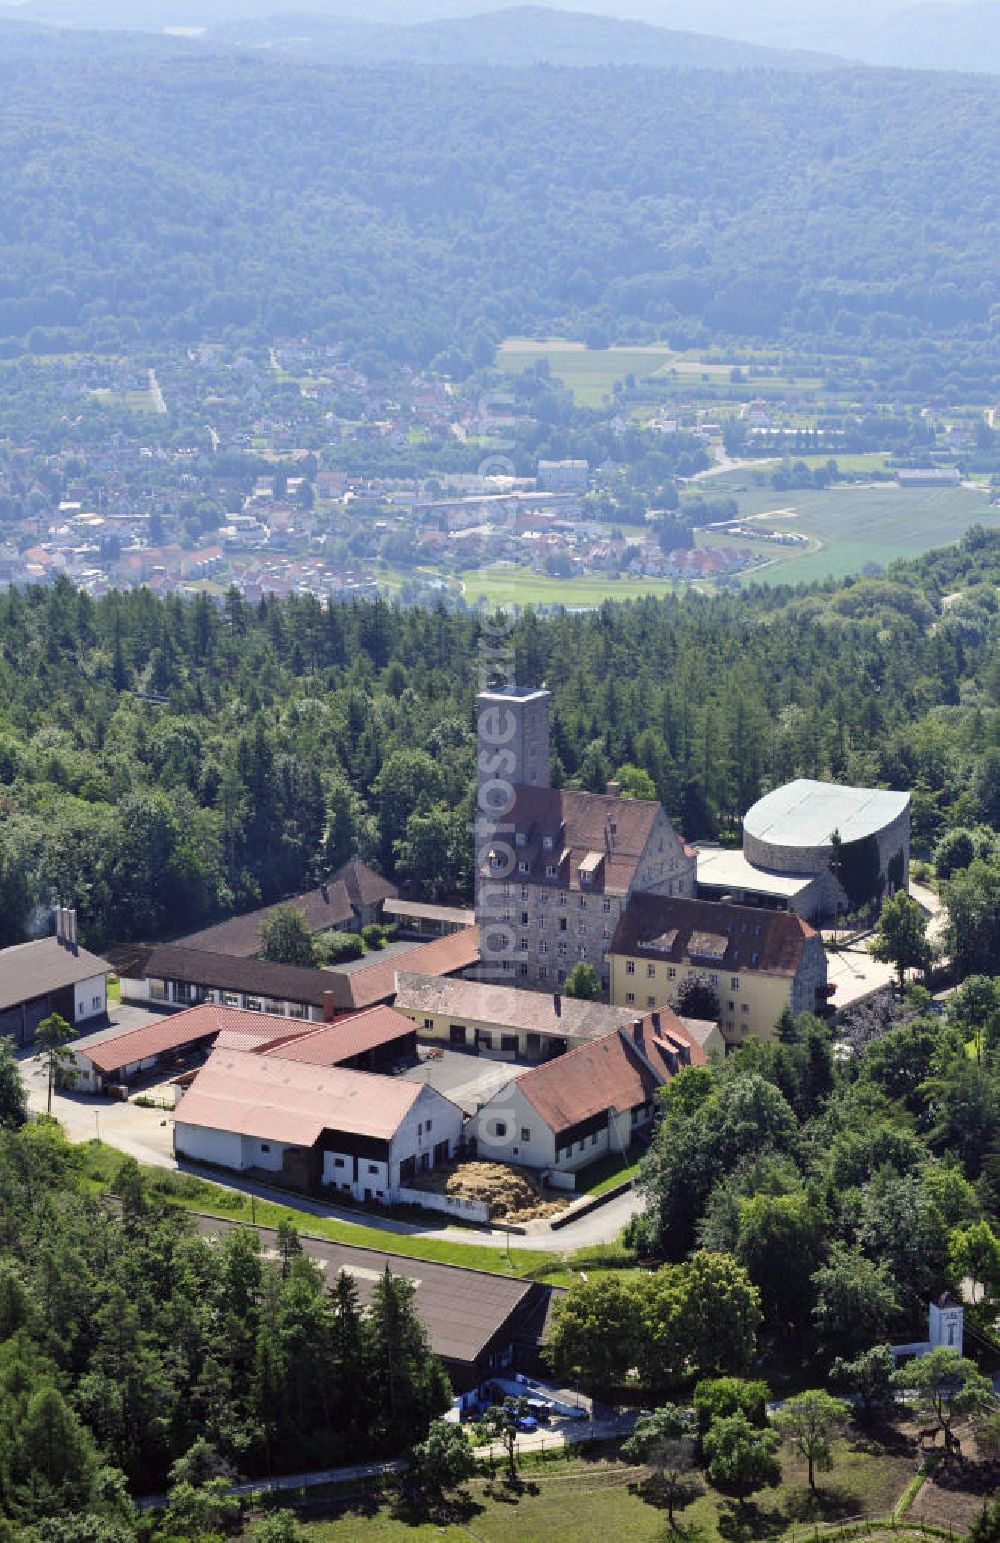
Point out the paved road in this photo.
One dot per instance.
(550, 1439)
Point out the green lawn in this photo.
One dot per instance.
(604, 1175)
(574, 1498)
(194, 1194)
(852, 526)
(503, 584)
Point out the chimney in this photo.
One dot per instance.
(637, 1030)
(58, 914)
(328, 1007)
(656, 1021)
(557, 1004)
(71, 928)
(614, 790)
(324, 890)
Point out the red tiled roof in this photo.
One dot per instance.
(347, 1037)
(740, 937)
(235, 1028)
(280, 1100)
(377, 982)
(618, 829)
(622, 1070)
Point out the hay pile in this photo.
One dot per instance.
(512, 1193)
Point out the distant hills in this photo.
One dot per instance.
(696, 34)
(520, 35)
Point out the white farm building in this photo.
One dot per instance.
(316, 1126)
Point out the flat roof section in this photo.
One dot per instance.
(421, 910)
(719, 868)
(804, 813)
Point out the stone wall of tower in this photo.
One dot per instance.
(513, 737)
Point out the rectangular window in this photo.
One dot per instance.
(230, 999)
(524, 891)
(524, 918)
(525, 1133)
(522, 969)
(650, 1001)
(543, 947)
(562, 924)
(745, 1008)
(543, 973)
(500, 1128)
(428, 1023)
(541, 924)
(522, 866)
(265, 1146)
(547, 843)
(671, 973)
(550, 871)
(252, 1004)
(562, 950)
(630, 967)
(734, 984)
(607, 905)
(630, 997)
(583, 902)
(373, 1167)
(338, 1162)
(562, 897)
(428, 1124)
(296, 1010)
(651, 972)
(520, 838)
(524, 945)
(508, 1042)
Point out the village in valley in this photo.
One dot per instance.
(292, 470)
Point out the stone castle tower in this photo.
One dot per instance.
(514, 719)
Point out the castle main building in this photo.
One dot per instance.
(555, 868)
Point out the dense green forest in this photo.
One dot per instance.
(135, 1352)
(408, 211)
(164, 762)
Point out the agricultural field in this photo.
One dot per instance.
(590, 373)
(850, 526)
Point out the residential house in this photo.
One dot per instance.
(595, 1101)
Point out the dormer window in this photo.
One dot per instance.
(547, 843)
(550, 870)
(520, 839)
(522, 866)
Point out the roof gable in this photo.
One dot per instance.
(712, 933)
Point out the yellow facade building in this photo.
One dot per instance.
(759, 962)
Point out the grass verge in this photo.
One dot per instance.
(100, 1163)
